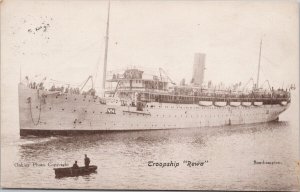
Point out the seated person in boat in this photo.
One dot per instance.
(86, 161)
(75, 166)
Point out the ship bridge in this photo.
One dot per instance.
(133, 81)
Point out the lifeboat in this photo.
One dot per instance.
(205, 103)
(72, 172)
(283, 103)
(235, 103)
(220, 103)
(113, 101)
(246, 104)
(258, 103)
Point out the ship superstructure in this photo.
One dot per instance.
(139, 101)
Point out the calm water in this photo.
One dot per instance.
(122, 159)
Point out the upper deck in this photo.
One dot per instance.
(135, 80)
(157, 88)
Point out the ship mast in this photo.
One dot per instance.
(106, 49)
(258, 70)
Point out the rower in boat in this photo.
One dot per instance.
(86, 161)
(75, 166)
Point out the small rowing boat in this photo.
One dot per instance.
(71, 172)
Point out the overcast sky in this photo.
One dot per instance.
(150, 34)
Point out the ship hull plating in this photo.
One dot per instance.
(45, 113)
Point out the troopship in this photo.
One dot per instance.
(135, 100)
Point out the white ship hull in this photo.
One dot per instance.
(56, 113)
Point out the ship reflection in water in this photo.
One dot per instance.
(122, 159)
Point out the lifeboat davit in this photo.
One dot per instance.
(235, 103)
(220, 103)
(258, 103)
(246, 104)
(205, 103)
(283, 103)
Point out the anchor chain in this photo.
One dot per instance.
(40, 109)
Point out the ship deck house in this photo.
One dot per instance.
(131, 84)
